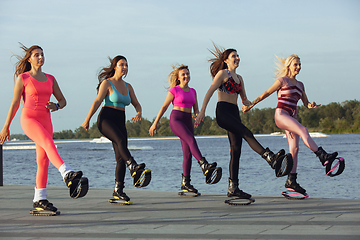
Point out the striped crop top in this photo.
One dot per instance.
(116, 99)
(230, 86)
(289, 94)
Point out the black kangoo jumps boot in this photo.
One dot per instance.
(186, 186)
(324, 157)
(212, 173)
(44, 205)
(271, 158)
(234, 191)
(118, 192)
(282, 163)
(133, 166)
(72, 178)
(291, 184)
(205, 166)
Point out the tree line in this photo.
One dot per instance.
(331, 118)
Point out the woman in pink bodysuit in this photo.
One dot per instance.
(36, 89)
(290, 91)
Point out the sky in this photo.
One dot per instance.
(79, 36)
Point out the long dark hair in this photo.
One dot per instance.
(23, 64)
(108, 72)
(221, 55)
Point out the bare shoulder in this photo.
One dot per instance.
(222, 75)
(105, 83)
(130, 86)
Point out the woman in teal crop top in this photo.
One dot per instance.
(116, 94)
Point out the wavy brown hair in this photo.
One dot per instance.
(173, 77)
(221, 55)
(108, 72)
(23, 65)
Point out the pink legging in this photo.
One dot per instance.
(294, 130)
(38, 127)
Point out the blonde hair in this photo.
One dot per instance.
(283, 64)
(173, 77)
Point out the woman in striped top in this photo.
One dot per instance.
(290, 91)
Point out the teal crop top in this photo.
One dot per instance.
(116, 99)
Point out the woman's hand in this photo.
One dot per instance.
(246, 102)
(137, 117)
(4, 135)
(85, 125)
(152, 129)
(199, 118)
(313, 105)
(52, 106)
(194, 117)
(246, 108)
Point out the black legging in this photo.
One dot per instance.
(228, 117)
(111, 123)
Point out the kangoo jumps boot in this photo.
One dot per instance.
(186, 186)
(291, 184)
(77, 184)
(282, 163)
(118, 192)
(72, 178)
(324, 157)
(271, 158)
(134, 167)
(44, 205)
(205, 166)
(234, 191)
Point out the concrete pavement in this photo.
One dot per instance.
(165, 215)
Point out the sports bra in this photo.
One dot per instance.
(116, 99)
(182, 98)
(230, 86)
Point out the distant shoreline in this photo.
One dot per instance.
(22, 142)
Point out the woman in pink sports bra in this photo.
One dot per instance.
(36, 88)
(290, 91)
(184, 100)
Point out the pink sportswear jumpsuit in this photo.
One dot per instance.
(36, 124)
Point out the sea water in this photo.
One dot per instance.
(164, 157)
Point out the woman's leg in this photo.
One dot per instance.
(284, 121)
(228, 117)
(293, 141)
(235, 152)
(111, 124)
(187, 157)
(181, 125)
(37, 126)
(42, 162)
